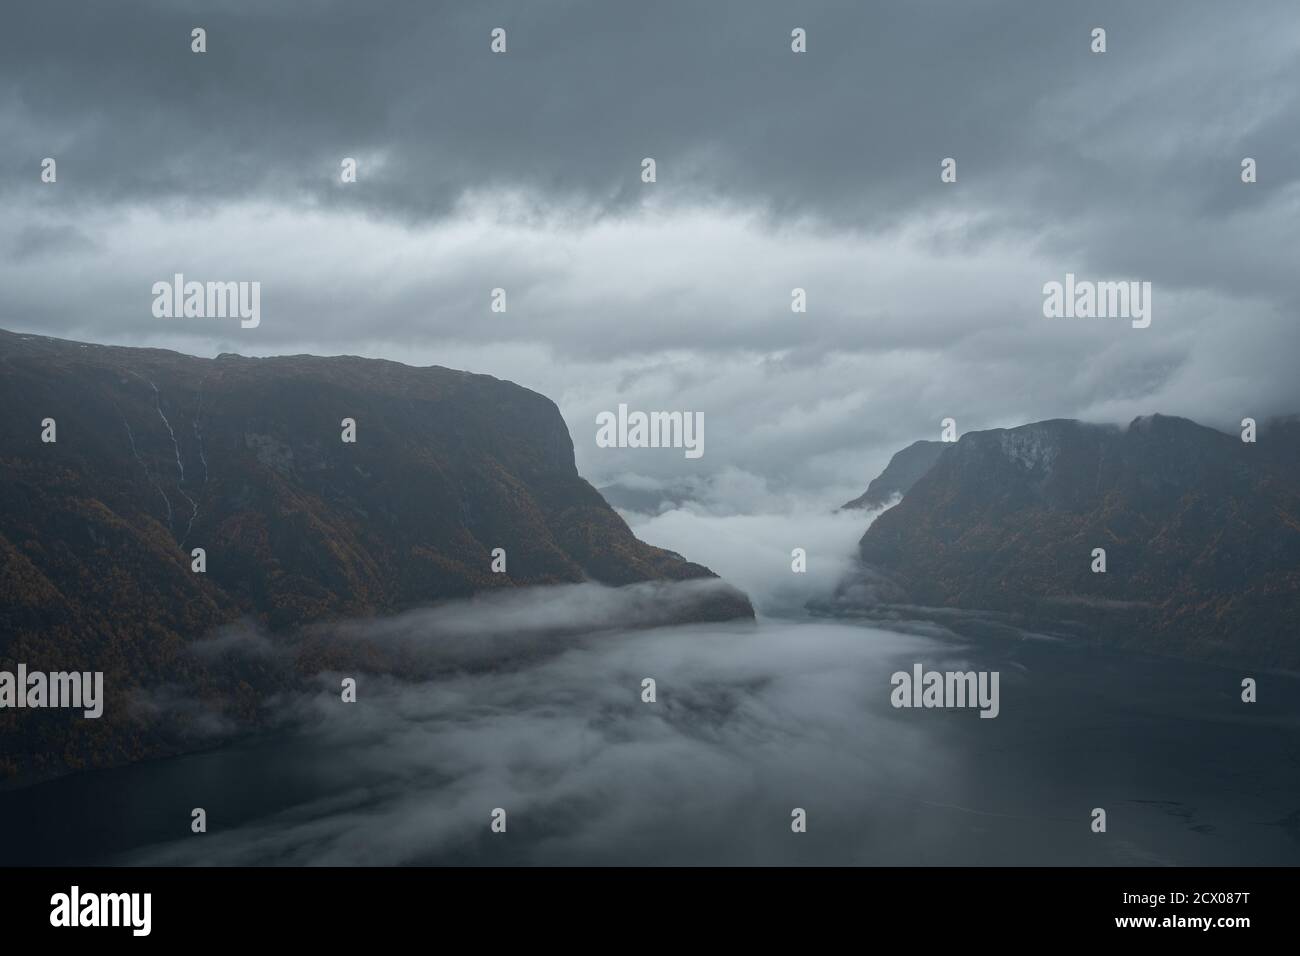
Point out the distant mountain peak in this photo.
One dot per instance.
(903, 471)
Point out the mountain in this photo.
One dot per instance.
(1201, 533)
(158, 453)
(902, 472)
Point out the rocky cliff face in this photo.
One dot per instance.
(902, 472)
(157, 454)
(1201, 533)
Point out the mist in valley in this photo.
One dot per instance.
(533, 702)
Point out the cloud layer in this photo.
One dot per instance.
(776, 171)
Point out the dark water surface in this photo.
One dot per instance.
(749, 723)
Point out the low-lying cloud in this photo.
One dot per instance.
(756, 551)
(747, 725)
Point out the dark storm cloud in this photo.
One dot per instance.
(775, 170)
(35, 241)
(853, 131)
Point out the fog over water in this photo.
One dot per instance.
(751, 721)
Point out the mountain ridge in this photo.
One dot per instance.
(1201, 532)
(157, 453)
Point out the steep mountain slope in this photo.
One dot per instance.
(159, 453)
(902, 472)
(1201, 533)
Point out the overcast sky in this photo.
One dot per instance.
(775, 170)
